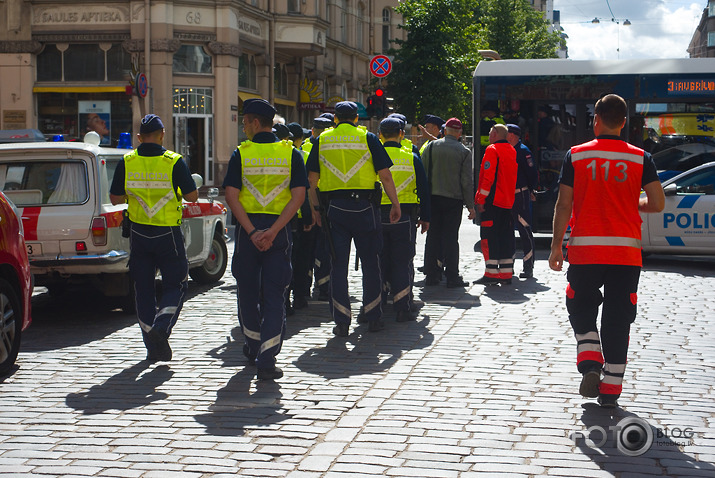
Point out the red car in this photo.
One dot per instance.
(15, 285)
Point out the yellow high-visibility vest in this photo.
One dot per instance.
(150, 189)
(345, 159)
(403, 174)
(265, 176)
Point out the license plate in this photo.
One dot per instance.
(34, 249)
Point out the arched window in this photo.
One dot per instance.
(386, 30)
(192, 59)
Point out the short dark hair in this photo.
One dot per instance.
(264, 121)
(346, 117)
(612, 110)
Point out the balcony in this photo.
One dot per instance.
(300, 36)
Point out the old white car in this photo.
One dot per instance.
(73, 232)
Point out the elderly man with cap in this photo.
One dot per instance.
(527, 178)
(495, 198)
(151, 180)
(431, 130)
(449, 172)
(398, 250)
(347, 160)
(265, 185)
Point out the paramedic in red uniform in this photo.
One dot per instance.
(494, 199)
(600, 185)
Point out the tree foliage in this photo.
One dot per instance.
(433, 67)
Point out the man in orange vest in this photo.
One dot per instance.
(600, 186)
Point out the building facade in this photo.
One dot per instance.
(71, 68)
(702, 44)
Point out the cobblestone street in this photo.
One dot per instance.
(483, 383)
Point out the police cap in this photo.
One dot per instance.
(296, 130)
(282, 131)
(512, 128)
(259, 107)
(150, 123)
(432, 119)
(322, 123)
(391, 125)
(346, 108)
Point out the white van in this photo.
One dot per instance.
(72, 230)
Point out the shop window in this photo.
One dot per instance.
(247, 72)
(83, 62)
(192, 59)
(197, 101)
(49, 64)
(118, 64)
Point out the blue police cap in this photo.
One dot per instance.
(307, 133)
(436, 120)
(346, 108)
(399, 116)
(296, 130)
(512, 128)
(259, 107)
(330, 116)
(391, 125)
(322, 123)
(282, 131)
(150, 123)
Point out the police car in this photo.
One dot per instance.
(73, 232)
(687, 223)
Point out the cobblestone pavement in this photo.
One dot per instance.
(483, 383)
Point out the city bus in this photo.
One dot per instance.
(670, 102)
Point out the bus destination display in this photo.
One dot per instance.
(689, 87)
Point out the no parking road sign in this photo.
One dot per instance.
(380, 66)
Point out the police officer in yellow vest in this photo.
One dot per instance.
(347, 160)
(398, 250)
(149, 179)
(405, 142)
(265, 185)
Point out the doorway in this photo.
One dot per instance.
(193, 140)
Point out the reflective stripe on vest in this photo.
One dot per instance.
(150, 190)
(403, 174)
(345, 159)
(607, 183)
(265, 175)
(424, 146)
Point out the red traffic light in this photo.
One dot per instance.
(379, 92)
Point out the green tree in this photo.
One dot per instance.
(433, 67)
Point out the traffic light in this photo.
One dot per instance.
(379, 101)
(370, 106)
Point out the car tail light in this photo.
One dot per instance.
(80, 246)
(99, 231)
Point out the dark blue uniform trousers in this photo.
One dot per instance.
(398, 252)
(322, 262)
(162, 248)
(521, 215)
(263, 279)
(359, 221)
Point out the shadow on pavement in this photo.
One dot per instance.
(517, 292)
(77, 318)
(124, 391)
(458, 297)
(237, 406)
(622, 442)
(363, 352)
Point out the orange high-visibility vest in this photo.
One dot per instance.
(607, 184)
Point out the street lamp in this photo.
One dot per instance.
(618, 21)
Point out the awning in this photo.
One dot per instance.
(281, 101)
(247, 96)
(79, 89)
